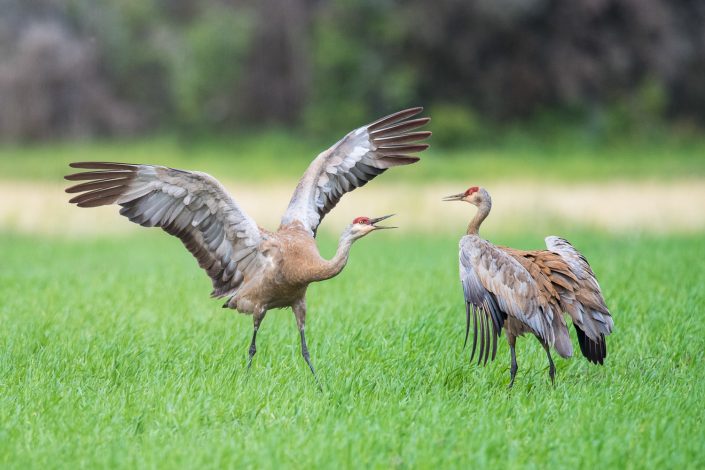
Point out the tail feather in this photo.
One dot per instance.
(594, 351)
(584, 302)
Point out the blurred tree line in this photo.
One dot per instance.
(75, 68)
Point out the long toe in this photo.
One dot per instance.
(511, 380)
(313, 371)
(249, 358)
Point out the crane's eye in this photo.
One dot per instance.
(361, 220)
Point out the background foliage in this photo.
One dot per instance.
(76, 68)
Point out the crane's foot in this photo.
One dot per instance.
(307, 358)
(251, 355)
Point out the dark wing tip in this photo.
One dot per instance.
(594, 351)
(474, 333)
(407, 138)
(399, 128)
(101, 171)
(102, 165)
(394, 117)
(412, 148)
(398, 160)
(101, 186)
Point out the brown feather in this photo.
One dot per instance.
(400, 128)
(532, 291)
(103, 165)
(97, 194)
(93, 175)
(352, 162)
(398, 160)
(102, 201)
(402, 138)
(98, 184)
(404, 148)
(394, 117)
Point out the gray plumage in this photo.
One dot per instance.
(356, 159)
(190, 205)
(257, 270)
(528, 292)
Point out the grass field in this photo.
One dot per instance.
(273, 156)
(112, 355)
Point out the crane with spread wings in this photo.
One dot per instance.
(254, 269)
(528, 292)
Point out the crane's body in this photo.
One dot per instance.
(291, 261)
(528, 292)
(254, 269)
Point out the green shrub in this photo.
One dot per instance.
(455, 125)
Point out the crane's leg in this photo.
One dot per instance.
(256, 319)
(513, 368)
(551, 367)
(304, 351)
(299, 309)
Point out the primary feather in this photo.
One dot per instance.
(189, 205)
(255, 269)
(356, 159)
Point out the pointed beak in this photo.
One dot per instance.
(454, 197)
(373, 222)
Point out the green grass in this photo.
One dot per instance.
(112, 355)
(284, 156)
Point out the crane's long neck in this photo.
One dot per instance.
(332, 267)
(482, 211)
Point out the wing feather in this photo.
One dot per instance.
(496, 286)
(584, 301)
(189, 205)
(352, 162)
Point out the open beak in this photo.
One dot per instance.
(454, 197)
(373, 222)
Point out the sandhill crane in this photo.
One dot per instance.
(528, 292)
(255, 269)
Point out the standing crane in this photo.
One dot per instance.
(255, 269)
(528, 292)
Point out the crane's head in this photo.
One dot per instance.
(475, 195)
(361, 226)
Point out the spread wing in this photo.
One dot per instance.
(554, 281)
(496, 286)
(189, 205)
(584, 301)
(356, 159)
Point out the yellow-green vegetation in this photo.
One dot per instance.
(284, 156)
(112, 355)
